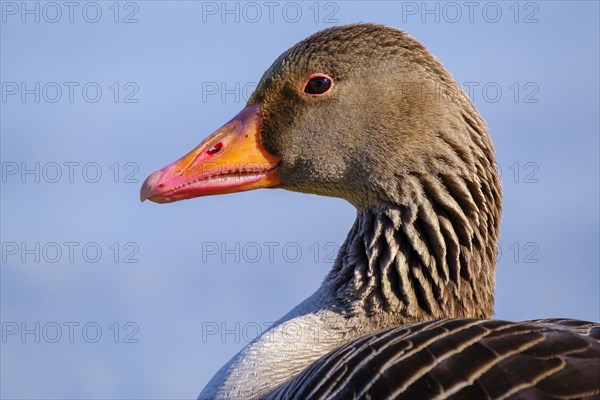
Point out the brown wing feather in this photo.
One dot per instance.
(460, 359)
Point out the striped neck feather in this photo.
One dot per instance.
(428, 259)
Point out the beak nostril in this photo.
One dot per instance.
(214, 149)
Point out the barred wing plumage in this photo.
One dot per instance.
(459, 359)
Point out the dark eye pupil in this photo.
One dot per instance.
(318, 85)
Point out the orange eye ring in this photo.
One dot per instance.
(317, 85)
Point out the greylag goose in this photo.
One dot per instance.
(365, 113)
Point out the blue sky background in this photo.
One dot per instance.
(202, 281)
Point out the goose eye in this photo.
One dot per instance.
(317, 85)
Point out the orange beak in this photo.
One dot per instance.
(230, 160)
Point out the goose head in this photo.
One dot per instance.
(357, 112)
